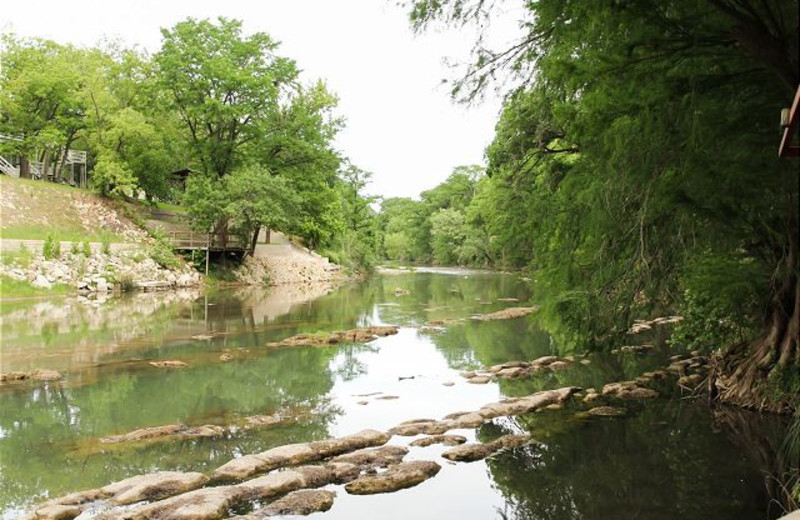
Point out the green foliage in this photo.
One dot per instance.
(635, 173)
(51, 248)
(74, 248)
(86, 248)
(105, 246)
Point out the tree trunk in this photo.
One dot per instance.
(24, 167)
(254, 241)
(743, 373)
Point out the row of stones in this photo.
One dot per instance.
(352, 461)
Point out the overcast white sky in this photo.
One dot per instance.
(401, 123)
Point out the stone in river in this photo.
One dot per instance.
(400, 476)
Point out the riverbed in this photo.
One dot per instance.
(667, 458)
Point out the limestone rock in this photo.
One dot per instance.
(505, 314)
(629, 390)
(56, 512)
(294, 454)
(400, 476)
(606, 411)
(171, 363)
(153, 486)
(362, 335)
(374, 457)
(447, 440)
(303, 502)
(478, 451)
(167, 430)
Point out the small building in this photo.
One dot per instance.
(68, 165)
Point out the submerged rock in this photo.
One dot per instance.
(40, 374)
(171, 363)
(362, 335)
(55, 512)
(505, 314)
(478, 451)
(168, 430)
(400, 476)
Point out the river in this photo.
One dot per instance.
(667, 459)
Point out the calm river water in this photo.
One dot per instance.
(668, 459)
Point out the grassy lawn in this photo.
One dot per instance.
(40, 232)
(11, 288)
(35, 209)
(174, 208)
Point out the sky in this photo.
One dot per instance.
(401, 124)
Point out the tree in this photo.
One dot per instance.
(39, 101)
(240, 203)
(225, 86)
(642, 152)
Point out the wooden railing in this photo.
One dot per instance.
(188, 240)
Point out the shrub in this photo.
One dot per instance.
(126, 283)
(52, 248)
(105, 246)
(74, 248)
(87, 249)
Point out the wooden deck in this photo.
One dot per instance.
(193, 241)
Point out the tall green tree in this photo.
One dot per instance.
(640, 149)
(226, 87)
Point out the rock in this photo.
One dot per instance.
(691, 380)
(225, 357)
(362, 335)
(401, 292)
(172, 363)
(294, 454)
(154, 486)
(523, 405)
(544, 360)
(479, 380)
(477, 451)
(591, 397)
(512, 300)
(585, 362)
(201, 504)
(505, 314)
(101, 285)
(466, 374)
(374, 457)
(628, 390)
(420, 426)
(606, 411)
(41, 282)
(56, 512)
(447, 440)
(202, 337)
(261, 420)
(448, 383)
(362, 403)
(511, 372)
(388, 397)
(40, 374)
(303, 502)
(400, 476)
(554, 406)
(558, 365)
(168, 430)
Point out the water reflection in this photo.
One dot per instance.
(668, 459)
